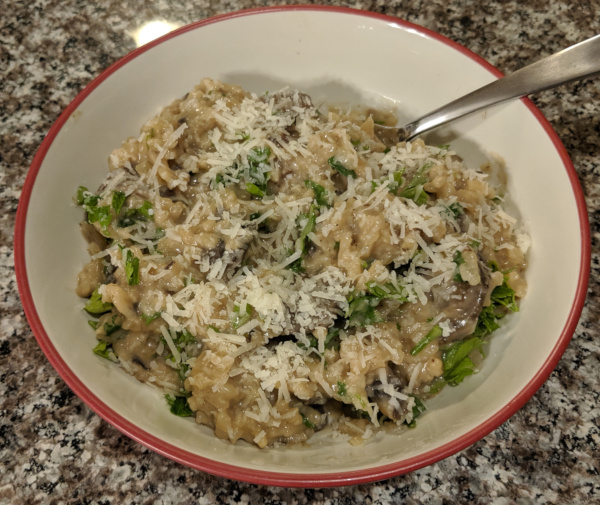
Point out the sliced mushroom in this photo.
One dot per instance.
(462, 303)
(384, 394)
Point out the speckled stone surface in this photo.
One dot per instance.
(55, 450)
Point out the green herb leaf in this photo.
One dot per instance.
(183, 338)
(459, 260)
(258, 171)
(103, 349)
(296, 266)
(151, 317)
(241, 318)
(94, 324)
(259, 155)
(361, 306)
(366, 264)
(145, 210)
(434, 333)
(132, 269)
(398, 181)
(414, 189)
(502, 299)
(312, 342)
(361, 310)
(417, 410)
(332, 340)
(96, 306)
(505, 296)
(179, 406)
(493, 266)
(310, 222)
(456, 360)
(387, 290)
(254, 190)
(219, 179)
(336, 165)
(306, 422)
(100, 215)
(118, 199)
(132, 216)
(456, 209)
(487, 322)
(342, 388)
(321, 194)
(110, 328)
(85, 197)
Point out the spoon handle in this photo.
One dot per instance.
(576, 62)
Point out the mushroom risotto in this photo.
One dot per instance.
(276, 268)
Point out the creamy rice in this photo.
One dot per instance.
(277, 269)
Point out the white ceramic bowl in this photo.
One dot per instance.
(339, 55)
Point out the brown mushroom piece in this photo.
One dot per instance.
(462, 303)
(380, 394)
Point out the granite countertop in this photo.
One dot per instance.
(54, 449)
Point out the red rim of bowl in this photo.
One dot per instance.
(282, 478)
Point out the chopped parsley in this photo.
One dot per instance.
(321, 194)
(132, 216)
(505, 296)
(118, 199)
(258, 171)
(342, 388)
(336, 165)
(501, 299)
(254, 190)
(86, 197)
(132, 269)
(456, 360)
(308, 222)
(241, 318)
(179, 406)
(434, 333)
(149, 318)
(110, 328)
(306, 422)
(387, 290)
(96, 306)
(456, 357)
(101, 215)
(459, 260)
(332, 339)
(361, 306)
(417, 410)
(456, 209)
(103, 349)
(361, 310)
(414, 189)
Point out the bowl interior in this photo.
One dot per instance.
(339, 56)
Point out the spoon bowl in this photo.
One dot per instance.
(576, 62)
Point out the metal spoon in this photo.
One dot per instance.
(576, 62)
